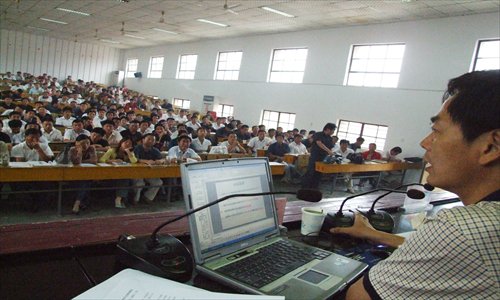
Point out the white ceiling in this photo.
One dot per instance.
(245, 17)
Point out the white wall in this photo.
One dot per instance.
(38, 54)
(436, 50)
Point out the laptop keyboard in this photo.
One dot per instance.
(271, 262)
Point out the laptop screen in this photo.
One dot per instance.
(233, 220)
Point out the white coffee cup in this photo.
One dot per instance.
(312, 219)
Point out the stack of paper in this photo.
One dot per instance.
(132, 284)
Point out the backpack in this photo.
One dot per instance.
(63, 157)
(355, 158)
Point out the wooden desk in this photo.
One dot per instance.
(62, 174)
(366, 167)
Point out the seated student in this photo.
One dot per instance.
(200, 144)
(70, 135)
(110, 134)
(162, 138)
(14, 132)
(276, 151)
(261, 141)
(37, 126)
(82, 153)
(296, 147)
(371, 154)
(219, 123)
(66, 119)
(7, 104)
(232, 145)
(144, 127)
(357, 146)
(242, 133)
(344, 151)
(182, 152)
(392, 155)
(122, 154)
(32, 150)
(133, 132)
(193, 123)
(173, 141)
(96, 140)
(336, 145)
(223, 132)
(147, 154)
(453, 255)
(101, 116)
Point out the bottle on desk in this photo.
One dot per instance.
(4, 154)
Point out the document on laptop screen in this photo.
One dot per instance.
(234, 219)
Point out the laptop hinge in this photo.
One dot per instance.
(212, 257)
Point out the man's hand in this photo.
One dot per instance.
(360, 229)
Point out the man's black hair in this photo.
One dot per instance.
(476, 102)
(32, 131)
(183, 137)
(99, 131)
(82, 137)
(397, 149)
(344, 142)
(330, 126)
(15, 123)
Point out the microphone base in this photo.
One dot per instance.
(169, 258)
(381, 220)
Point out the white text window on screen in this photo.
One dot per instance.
(372, 133)
(187, 66)
(288, 65)
(155, 67)
(275, 119)
(131, 67)
(228, 65)
(375, 65)
(487, 55)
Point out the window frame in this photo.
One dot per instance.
(151, 64)
(278, 122)
(127, 67)
(380, 85)
(181, 72)
(477, 49)
(183, 101)
(225, 72)
(283, 70)
(222, 109)
(368, 138)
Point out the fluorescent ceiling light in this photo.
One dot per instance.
(53, 21)
(37, 28)
(212, 22)
(279, 12)
(110, 41)
(134, 36)
(73, 11)
(163, 30)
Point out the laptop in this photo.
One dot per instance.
(237, 242)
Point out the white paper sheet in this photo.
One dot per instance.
(132, 284)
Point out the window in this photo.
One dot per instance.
(182, 103)
(228, 65)
(372, 133)
(155, 67)
(487, 55)
(288, 65)
(375, 65)
(224, 110)
(187, 66)
(274, 119)
(131, 67)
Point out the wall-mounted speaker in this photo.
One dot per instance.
(138, 75)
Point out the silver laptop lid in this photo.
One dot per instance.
(233, 224)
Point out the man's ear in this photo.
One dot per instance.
(490, 151)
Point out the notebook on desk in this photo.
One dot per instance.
(238, 242)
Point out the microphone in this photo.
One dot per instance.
(381, 220)
(166, 256)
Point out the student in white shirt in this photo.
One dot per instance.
(49, 132)
(66, 120)
(345, 151)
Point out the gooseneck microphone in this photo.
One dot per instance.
(380, 220)
(166, 256)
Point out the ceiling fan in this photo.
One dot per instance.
(229, 8)
(123, 31)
